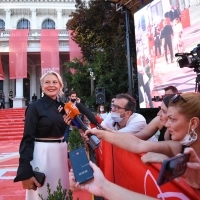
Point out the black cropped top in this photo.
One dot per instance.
(162, 134)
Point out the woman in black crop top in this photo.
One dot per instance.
(42, 147)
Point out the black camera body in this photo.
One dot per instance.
(157, 98)
(191, 60)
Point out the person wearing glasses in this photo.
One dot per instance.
(184, 126)
(123, 117)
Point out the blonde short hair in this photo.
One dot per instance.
(58, 77)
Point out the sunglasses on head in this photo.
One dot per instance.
(177, 97)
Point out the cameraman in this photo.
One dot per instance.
(170, 90)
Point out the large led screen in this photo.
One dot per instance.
(163, 29)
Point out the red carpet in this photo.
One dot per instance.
(11, 130)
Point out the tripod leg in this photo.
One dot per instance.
(198, 87)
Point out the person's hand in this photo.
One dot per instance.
(192, 173)
(67, 119)
(93, 186)
(104, 128)
(78, 100)
(152, 157)
(72, 182)
(30, 184)
(81, 132)
(93, 131)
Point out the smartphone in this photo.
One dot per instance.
(40, 177)
(80, 165)
(172, 168)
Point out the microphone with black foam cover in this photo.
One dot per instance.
(88, 113)
(61, 109)
(74, 113)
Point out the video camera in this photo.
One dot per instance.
(191, 60)
(157, 98)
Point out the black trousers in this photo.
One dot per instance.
(11, 103)
(2, 105)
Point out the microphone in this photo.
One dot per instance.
(74, 113)
(62, 112)
(61, 108)
(87, 112)
(76, 123)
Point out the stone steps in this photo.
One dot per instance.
(11, 124)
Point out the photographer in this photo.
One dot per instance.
(170, 90)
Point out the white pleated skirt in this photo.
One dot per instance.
(51, 159)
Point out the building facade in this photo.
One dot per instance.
(33, 15)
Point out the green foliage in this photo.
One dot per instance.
(100, 31)
(59, 194)
(80, 81)
(93, 26)
(75, 139)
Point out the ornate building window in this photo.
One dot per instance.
(2, 24)
(48, 24)
(23, 24)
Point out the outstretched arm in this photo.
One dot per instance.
(150, 129)
(100, 186)
(131, 143)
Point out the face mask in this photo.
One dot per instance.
(101, 109)
(189, 138)
(73, 100)
(116, 117)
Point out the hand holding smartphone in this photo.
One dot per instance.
(80, 165)
(172, 168)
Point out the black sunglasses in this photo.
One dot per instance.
(177, 97)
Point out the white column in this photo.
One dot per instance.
(6, 83)
(38, 86)
(33, 81)
(19, 88)
(19, 101)
(33, 23)
(59, 19)
(7, 22)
